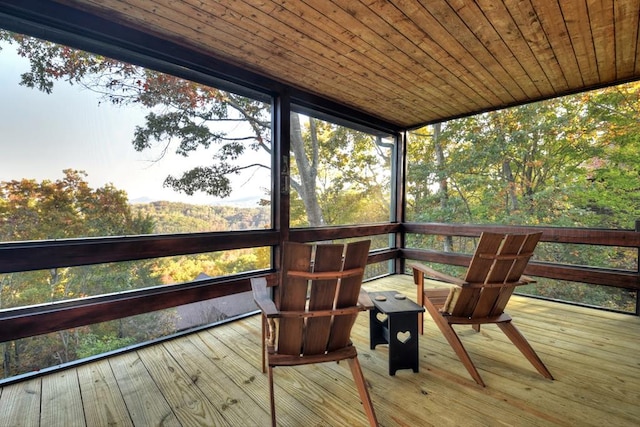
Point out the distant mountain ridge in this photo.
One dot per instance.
(140, 200)
(177, 217)
(249, 201)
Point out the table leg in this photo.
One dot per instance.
(403, 342)
(378, 330)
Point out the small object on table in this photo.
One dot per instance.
(398, 327)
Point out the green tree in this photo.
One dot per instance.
(516, 166)
(569, 161)
(66, 208)
(351, 171)
(613, 180)
(183, 116)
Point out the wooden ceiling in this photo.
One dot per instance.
(406, 62)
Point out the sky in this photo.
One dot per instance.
(41, 135)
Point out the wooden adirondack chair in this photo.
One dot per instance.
(495, 270)
(314, 306)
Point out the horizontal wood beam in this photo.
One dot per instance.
(596, 276)
(36, 320)
(42, 319)
(383, 255)
(332, 233)
(39, 255)
(585, 236)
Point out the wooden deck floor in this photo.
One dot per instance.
(213, 378)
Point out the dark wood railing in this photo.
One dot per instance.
(585, 274)
(35, 320)
(29, 321)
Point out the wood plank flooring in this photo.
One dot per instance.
(213, 378)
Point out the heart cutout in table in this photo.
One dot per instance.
(381, 317)
(403, 337)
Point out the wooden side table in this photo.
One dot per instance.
(394, 321)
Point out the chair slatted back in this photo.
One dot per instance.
(316, 331)
(356, 255)
(495, 270)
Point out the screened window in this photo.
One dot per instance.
(566, 162)
(95, 147)
(339, 175)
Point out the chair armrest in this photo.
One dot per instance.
(435, 274)
(527, 280)
(325, 275)
(262, 297)
(364, 300)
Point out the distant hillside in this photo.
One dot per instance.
(174, 217)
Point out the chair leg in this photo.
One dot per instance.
(358, 377)
(264, 341)
(454, 341)
(272, 398)
(525, 348)
(418, 279)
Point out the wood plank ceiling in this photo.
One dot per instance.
(407, 62)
